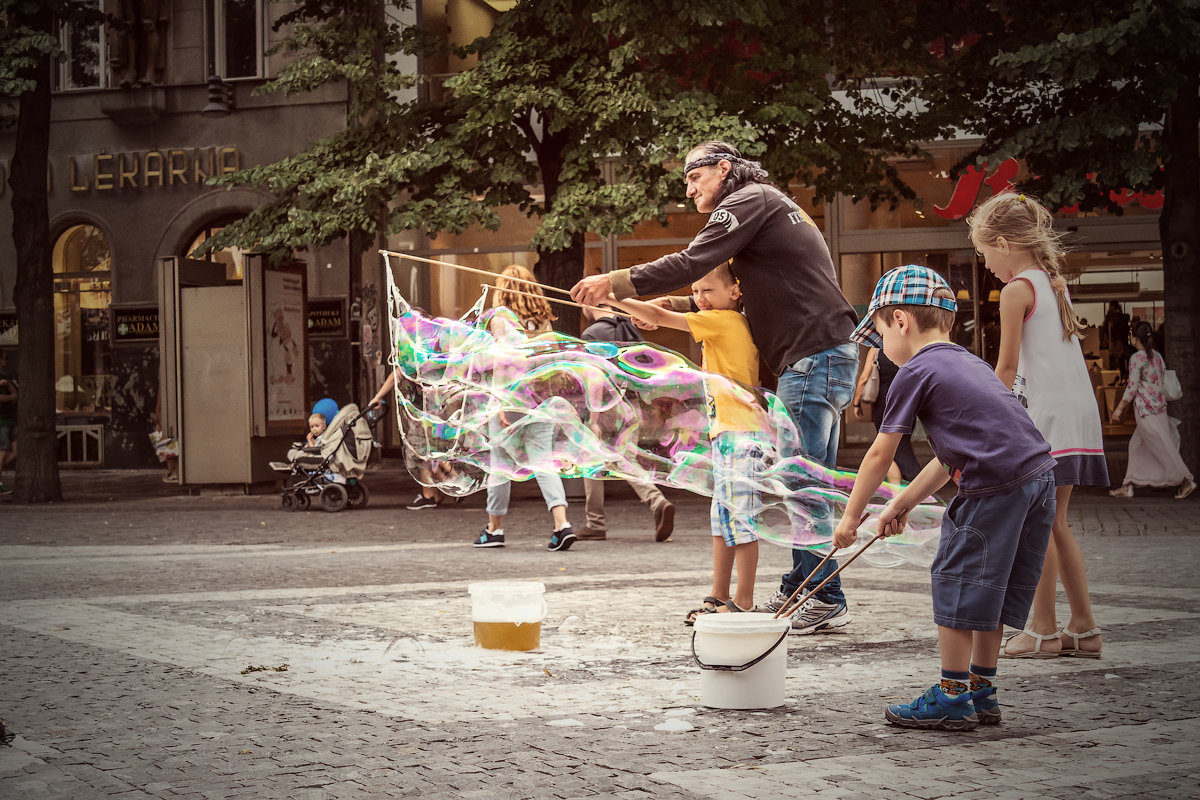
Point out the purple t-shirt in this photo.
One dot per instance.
(977, 426)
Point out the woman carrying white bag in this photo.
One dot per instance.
(1154, 448)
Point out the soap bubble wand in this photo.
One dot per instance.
(787, 608)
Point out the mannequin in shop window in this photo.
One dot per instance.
(1116, 322)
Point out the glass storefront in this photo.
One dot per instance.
(82, 294)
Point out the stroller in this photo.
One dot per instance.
(332, 471)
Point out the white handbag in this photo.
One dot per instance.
(870, 392)
(1171, 387)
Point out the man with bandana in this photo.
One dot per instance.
(798, 317)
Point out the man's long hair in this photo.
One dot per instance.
(741, 171)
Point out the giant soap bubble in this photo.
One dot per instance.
(478, 402)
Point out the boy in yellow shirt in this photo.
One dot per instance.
(737, 451)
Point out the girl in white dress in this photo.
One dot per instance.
(1041, 358)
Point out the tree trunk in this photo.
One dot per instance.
(562, 268)
(37, 460)
(1179, 228)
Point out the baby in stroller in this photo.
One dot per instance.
(330, 470)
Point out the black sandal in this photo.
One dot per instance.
(711, 606)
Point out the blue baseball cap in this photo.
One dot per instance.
(912, 285)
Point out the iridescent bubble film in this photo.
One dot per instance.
(481, 402)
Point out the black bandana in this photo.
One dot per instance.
(708, 161)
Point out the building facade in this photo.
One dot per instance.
(136, 132)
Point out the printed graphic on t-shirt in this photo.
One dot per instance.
(1021, 390)
(797, 214)
(722, 217)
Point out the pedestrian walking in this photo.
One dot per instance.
(1154, 458)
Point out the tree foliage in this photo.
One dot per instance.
(575, 112)
(1098, 100)
(1079, 91)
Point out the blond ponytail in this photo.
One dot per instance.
(1070, 321)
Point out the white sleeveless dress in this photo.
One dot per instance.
(1053, 384)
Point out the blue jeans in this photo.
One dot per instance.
(816, 390)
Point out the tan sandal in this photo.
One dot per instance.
(1036, 652)
(1074, 650)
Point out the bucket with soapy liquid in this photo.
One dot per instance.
(742, 658)
(507, 615)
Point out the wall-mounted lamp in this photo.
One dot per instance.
(220, 98)
(994, 296)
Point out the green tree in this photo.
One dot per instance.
(1096, 99)
(550, 119)
(28, 49)
(577, 113)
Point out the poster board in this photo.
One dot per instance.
(277, 302)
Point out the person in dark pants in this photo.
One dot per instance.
(906, 460)
(608, 327)
(1116, 322)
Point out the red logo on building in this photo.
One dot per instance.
(966, 191)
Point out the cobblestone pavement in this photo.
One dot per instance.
(135, 619)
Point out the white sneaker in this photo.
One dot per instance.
(776, 602)
(813, 616)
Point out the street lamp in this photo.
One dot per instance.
(220, 98)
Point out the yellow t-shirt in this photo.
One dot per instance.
(728, 350)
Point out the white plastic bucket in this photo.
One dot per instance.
(742, 658)
(507, 615)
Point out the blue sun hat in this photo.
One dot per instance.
(326, 407)
(912, 285)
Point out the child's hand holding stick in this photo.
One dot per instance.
(790, 609)
(892, 520)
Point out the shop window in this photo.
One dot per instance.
(233, 258)
(235, 38)
(85, 48)
(82, 293)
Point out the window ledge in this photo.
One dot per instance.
(135, 106)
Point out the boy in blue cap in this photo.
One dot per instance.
(994, 533)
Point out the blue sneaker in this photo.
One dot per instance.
(488, 539)
(935, 710)
(987, 707)
(562, 539)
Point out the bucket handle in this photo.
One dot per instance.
(733, 667)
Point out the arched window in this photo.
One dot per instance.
(232, 257)
(82, 293)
